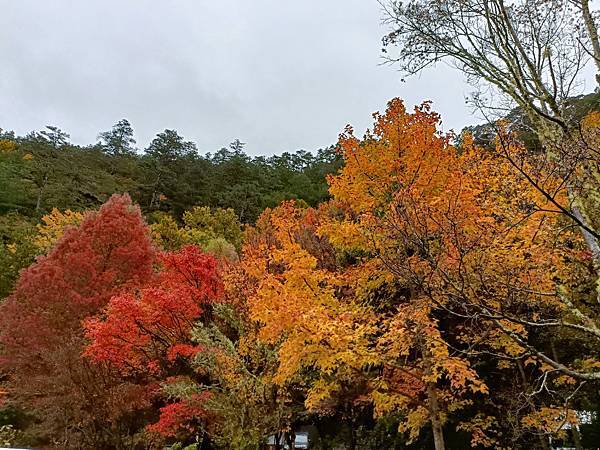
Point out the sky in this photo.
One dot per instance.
(279, 75)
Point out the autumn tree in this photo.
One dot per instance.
(467, 238)
(41, 336)
(53, 227)
(533, 54)
(22, 241)
(306, 308)
(150, 327)
(428, 259)
(329, 322)
(146, 335)
(188, 331)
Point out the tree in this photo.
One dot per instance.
(16, 249)
(167, 150)
(188, 330)
(147, 335)
(533, 53)
(591, 26)
(22, 242)
(53, 227)
(149, 328)
(41, 335)
(246, 406)
(119, 140)
(55, 136)
(428, 264)
(237, 146)
(467, 239)
(167, 146)
(530, 50)
(217, 231)
(42, 150)
(36, 177)
(306, 308)
(13, 194)
(218, 223)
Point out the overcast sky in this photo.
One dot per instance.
(280, 75)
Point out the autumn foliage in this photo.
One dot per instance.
(41, 332)
(146, 334)
(442, 292)
(137, 307)
(427, 257)
(143, 329)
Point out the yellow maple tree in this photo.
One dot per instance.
(427, 255)
(53, 227)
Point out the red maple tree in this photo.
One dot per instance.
(146, 334)
(149, 328)
(41, 333)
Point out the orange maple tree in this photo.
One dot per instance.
(427, 256)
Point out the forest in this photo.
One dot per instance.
(408, 288)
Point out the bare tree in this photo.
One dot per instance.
(531, 51)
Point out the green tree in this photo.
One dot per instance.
(216, 231)
(165, 155)
(17, 250)
(119, 140)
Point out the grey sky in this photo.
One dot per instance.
(278, 74)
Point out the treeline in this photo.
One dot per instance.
(43, 170)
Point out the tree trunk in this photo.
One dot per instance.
(592, 31)
(277, 437)
(154, 192)
(434, 413)
(544, 444)
(38, 203)
(433, 405)
(290, 439)
(592, 244)
(577, 438)
(352, 443)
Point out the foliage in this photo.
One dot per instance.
(146, 330)
(42, 338)
(220, 223)
(218, 229)
(146, 334)
(451, 229)
(12, 167)
(53, 227)
(16, 249)
(244, 402)
(399, 285)
(38, 174)
(8, 435)
(437, 295)
(119, 140)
